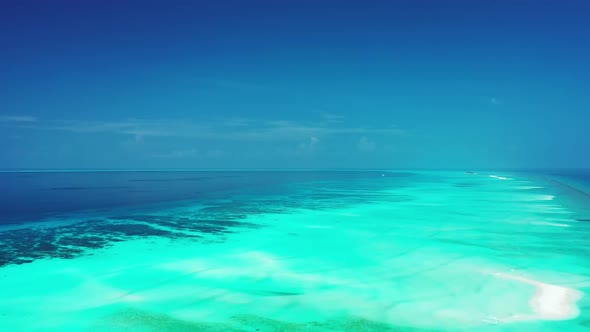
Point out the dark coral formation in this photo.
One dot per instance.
(68, 241)
(74, 236)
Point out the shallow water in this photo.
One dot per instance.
(293, 251)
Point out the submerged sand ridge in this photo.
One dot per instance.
(446, 258)
(550, 302)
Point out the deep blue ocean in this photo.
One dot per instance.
(34, 196)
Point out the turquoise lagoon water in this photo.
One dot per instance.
(294, 251)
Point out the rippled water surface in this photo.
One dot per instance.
(294, 251)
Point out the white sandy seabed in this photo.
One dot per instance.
(488, 258)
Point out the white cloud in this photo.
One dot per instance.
(495, 101)
(191, 153)
(174, 154)
(230, 129)
(365, 145)
(309, 144)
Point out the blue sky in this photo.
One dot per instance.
(320, 84)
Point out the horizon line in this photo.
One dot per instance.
(204, 169)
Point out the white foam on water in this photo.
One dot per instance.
(535, 197)
(549, 302)
(499, 177)
(544, 223)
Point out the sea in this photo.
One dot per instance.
(295, 250)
